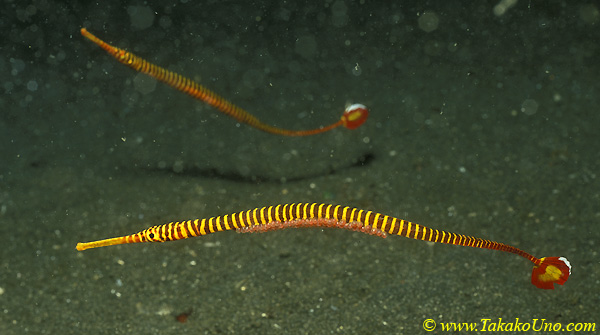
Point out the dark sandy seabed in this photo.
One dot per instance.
(483, 122)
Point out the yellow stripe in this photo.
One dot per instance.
(190, 230)
(277, 218)
(335, 211)
(352, 218)
(218, 224)
(223, 223)
(174, 233)
(234, 221)
(211, 227)
(240, 217)
(161, 232)
(226, 222)
(269, 215)
(328, 212)
(284, 213)
(366, 219)
(263, 219)
(196, 228)
(292, 210)
(384, 223)
(165, 232)
(203, 227)
(402, 227)
(169, 233)
(393, 226)
(376, 220)
(183, 227)
(248, 219)
(345, 214)
(427, 231)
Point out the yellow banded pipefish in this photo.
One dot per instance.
(547, 271)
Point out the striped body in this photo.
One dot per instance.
(547, 271)
(302, 211)
(350, 119)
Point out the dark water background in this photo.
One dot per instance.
(482, 122)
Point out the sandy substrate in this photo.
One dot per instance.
(482, 122)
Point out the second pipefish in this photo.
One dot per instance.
(354, 115)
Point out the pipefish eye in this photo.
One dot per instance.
(152, 235)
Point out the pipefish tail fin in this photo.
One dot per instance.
(354, 116)
(550, 271)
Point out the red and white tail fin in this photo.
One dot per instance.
(552, 270)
